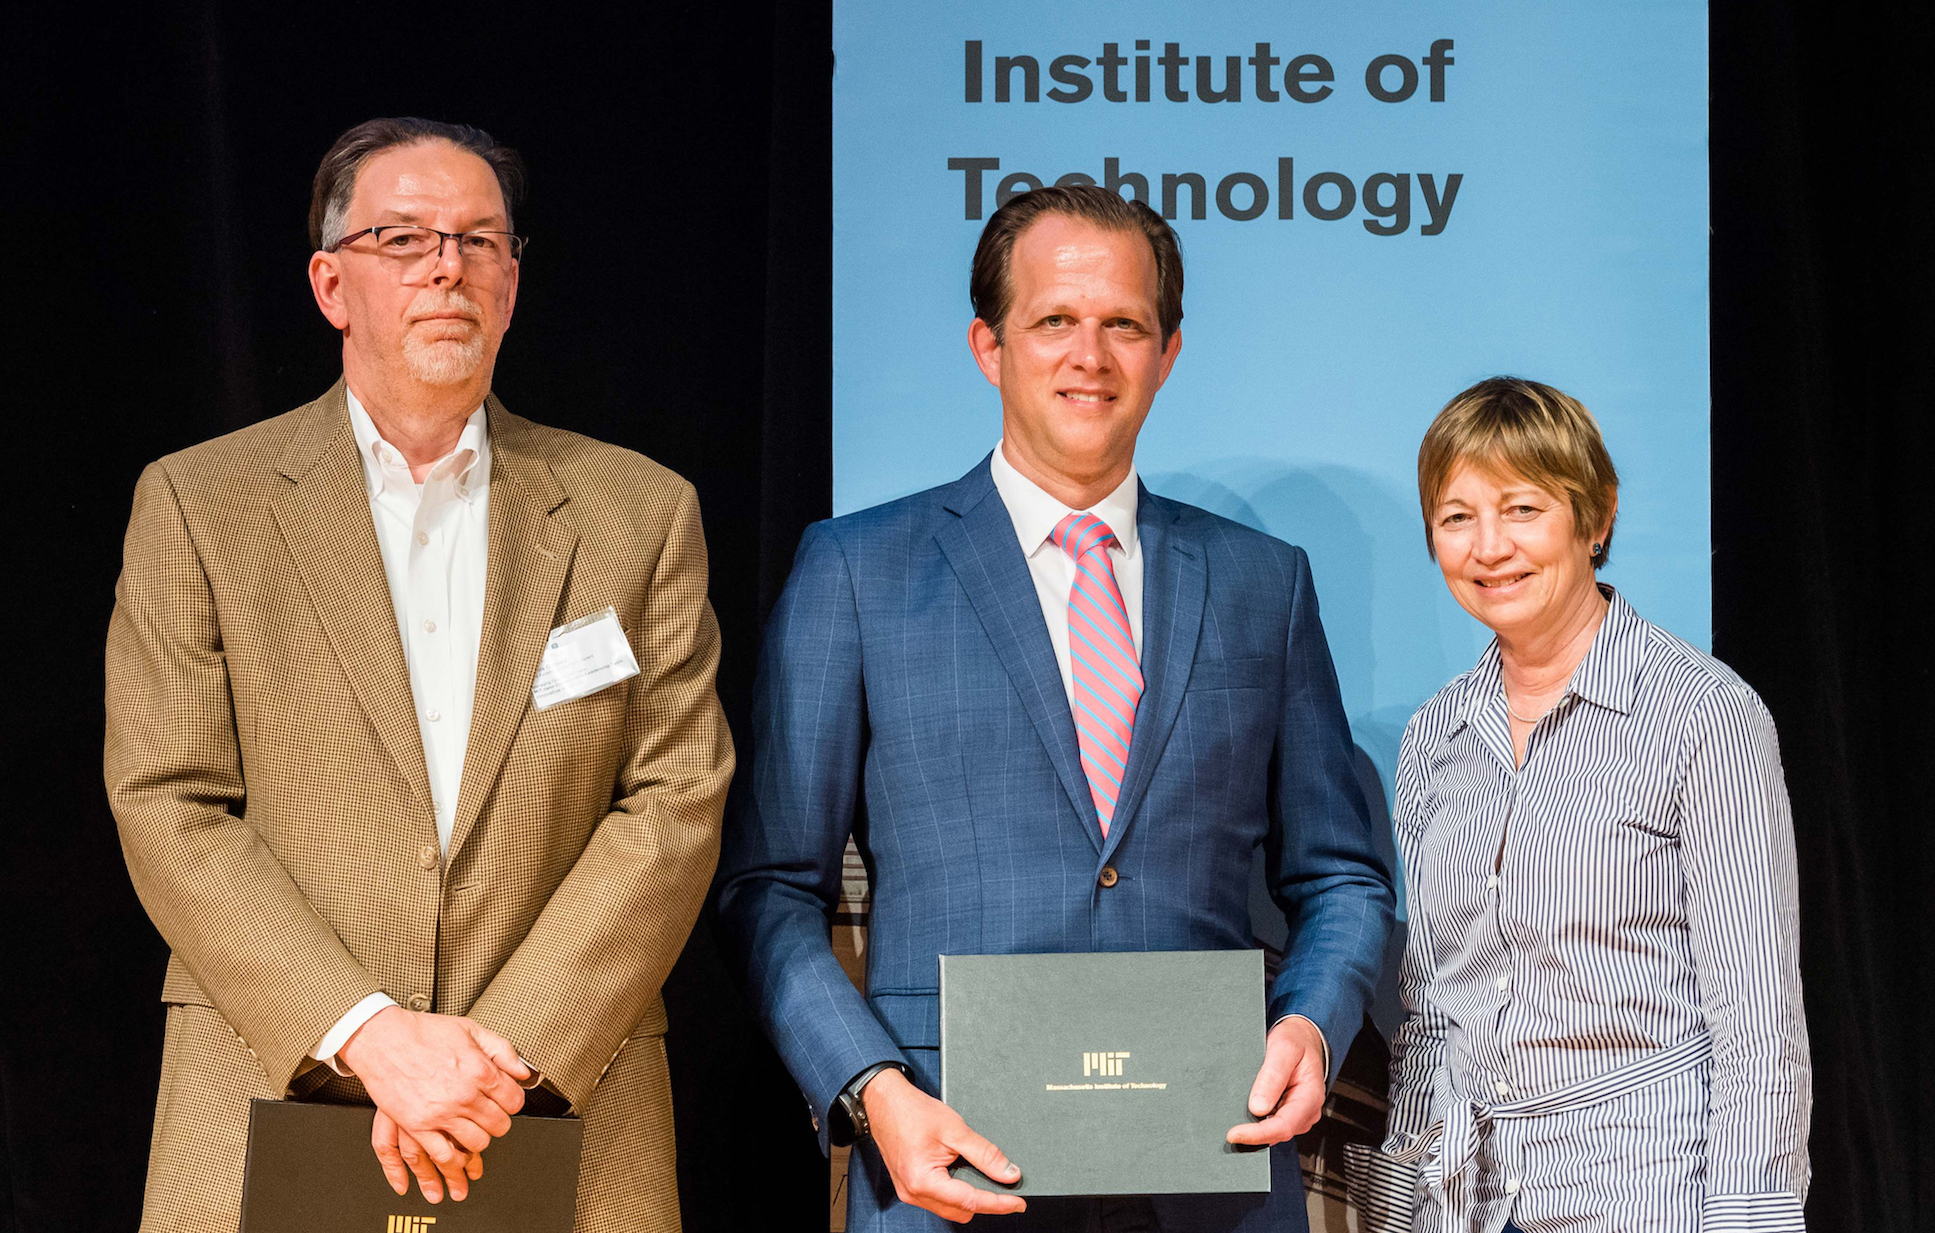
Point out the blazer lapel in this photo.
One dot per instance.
(1174, 589)
(531, 549)
(981, 547)
(325, 520)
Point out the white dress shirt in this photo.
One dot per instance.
(434, 540)
(1036, 514)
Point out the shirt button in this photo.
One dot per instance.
(1503, 983)
(1512, 1185)
(423, 537)
(429, 627)
(427, 856)
(1492, 882)
(1108, 876)
(1502, 1088)
(433, 715)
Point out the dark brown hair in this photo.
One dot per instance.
(1511, 426)
(336, 177)
(990, 288)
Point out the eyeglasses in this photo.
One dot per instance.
(417, 250)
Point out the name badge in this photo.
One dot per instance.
(582, 658)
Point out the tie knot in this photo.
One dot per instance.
(1081, 533)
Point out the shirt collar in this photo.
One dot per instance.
(384, 465)
(1035, 512)
(1608, 676)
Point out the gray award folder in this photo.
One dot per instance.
(311, 1170)
(1107, 1074)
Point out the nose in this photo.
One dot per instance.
(448, 269)
(1091, 346)
(1492, 543)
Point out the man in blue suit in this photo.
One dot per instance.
(1058, 713)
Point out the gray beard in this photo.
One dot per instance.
(446, 361)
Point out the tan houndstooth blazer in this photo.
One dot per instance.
(267, 774)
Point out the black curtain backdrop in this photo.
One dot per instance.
(1822, 395)
(156, 166)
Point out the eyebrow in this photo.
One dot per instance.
(1114, 314)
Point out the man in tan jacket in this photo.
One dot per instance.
(386, 873)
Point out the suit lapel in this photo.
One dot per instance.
(981, 547)
(325, 520)
(530, 557)
(1174, 588)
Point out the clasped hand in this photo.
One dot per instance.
(443, 1086)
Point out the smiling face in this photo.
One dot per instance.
(439, 326)
(1512, 553)
(1081, 354)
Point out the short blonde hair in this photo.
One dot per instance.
(1508, 425)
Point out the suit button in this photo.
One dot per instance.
(420, 1002)
(1109, 876)
(427, 857)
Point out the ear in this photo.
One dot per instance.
(987, 351)
(1169, 354)
(510, 293)
(1605, 531)
(326, 281)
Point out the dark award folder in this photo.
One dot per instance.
(1107, 1074)
(311, 1170)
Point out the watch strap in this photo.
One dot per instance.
(854, 1109)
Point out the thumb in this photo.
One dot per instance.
(1271, 1081)
(984, 1156)
(501, 1051)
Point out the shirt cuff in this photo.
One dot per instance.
(335, 1038)
(1779, 1212)
(1383, 1191)
(1321, 1037)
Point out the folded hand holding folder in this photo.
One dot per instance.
(311, 1170)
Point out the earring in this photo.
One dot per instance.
(1595, 548)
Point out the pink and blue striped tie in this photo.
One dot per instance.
(1101, 652)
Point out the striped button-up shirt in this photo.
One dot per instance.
(1604, 1027)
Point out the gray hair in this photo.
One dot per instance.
(336, 177)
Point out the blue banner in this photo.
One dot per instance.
(1379, 203)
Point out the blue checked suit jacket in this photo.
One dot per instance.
(908, 695)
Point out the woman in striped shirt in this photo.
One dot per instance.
(1603, 1022)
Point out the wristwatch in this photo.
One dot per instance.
(847, 1119)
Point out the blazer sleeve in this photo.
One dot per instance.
(577, 986)
(1324, 870)
(1737, 844)
(786, 840)
(233, 916)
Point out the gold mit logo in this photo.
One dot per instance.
(410, 1224)
(1105, 1064)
